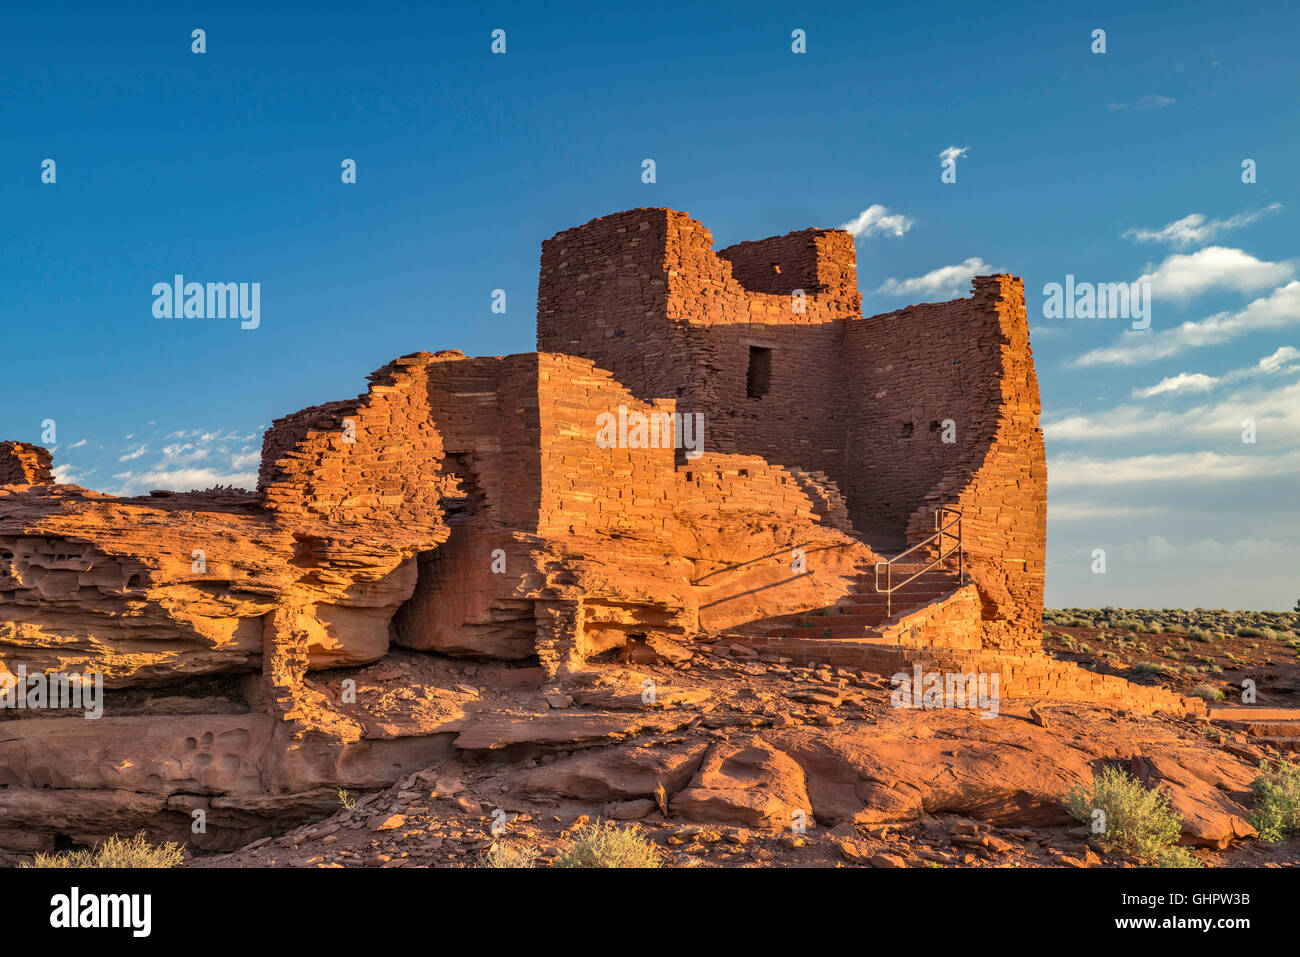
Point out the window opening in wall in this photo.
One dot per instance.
(908, 428)
(758, 381)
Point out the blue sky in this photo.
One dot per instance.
(225, 166)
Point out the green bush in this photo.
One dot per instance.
(1277, 801)
(1138, 821)
(1250, 631)
(501, 854)
(1128, 624)
(605, 844)
(1151, 667)
(1200, 634)
(1177, 857)
(1208, 692)
(115, 852)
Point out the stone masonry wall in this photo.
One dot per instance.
(589, 490)
(371, 460)
(24, 464)
(965, 365)
(644, 295)
(806, 382)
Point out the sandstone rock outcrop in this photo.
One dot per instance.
(714, 442)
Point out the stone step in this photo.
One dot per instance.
(817, 622)
(827, 631)
(870, 597)
(1253, 713)
(1282, 729)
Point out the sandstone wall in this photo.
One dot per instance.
(588, 490)
(764, 541)
(967, 361)
(644, 295)
(24, 464)
(374, 459)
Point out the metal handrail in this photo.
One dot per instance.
(941, 531)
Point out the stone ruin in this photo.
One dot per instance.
(464, 506)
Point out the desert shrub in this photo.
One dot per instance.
(1079, 623)
(1249, 631)
(1277, 801)
(1154, 627)
(501, 854)
(605, 844)
(1200, 634)
(1150, 667)
(1138, 820)
(1208, 692)
(1176, 856)
(1128, 624)
(115, 852)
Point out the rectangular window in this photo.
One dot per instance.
(758, 381)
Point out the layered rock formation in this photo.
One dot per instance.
(485, 509)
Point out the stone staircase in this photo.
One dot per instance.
(1277, 728)
(864, 614)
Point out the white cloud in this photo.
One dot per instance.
(1269, 364)
(1151, 101)
(953, 153)
(183, 480)
(1065, 471)
(1183, 382)
(1086, 511)
(127, 457)
(1196, 228)
(1186, 275)
(71, 474)
(876, 220)
(946, 282)
(1276, 413)
(1279, 309)
(1280, 361)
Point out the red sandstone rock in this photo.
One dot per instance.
(465, 506)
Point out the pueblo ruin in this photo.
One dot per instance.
(455, 574)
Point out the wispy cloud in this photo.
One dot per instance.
(1183, 382)
(1275, 411)
(1283, 360)
(135, 454)
(1196, 228)
(946, 282)
(876, 220)
(1065, 471)
(183, 480)
(187, 459)
(1184, 276)
(1090, 511)
(953, 153)
(1277, 310)
(1151, 101)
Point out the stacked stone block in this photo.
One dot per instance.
(24, 464)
